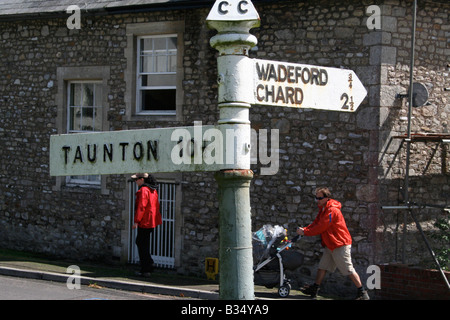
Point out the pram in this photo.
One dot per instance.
(270, 250)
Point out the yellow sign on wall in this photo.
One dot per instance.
(211, 268)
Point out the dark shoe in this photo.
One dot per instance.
(143, 274)
(310, 290)
(362, 295)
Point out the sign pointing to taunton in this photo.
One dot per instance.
(306, 86)
(181, 149)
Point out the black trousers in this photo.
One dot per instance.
(143, 244)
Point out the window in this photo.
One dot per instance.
(156, 75)
(84, 114)
(84, 107)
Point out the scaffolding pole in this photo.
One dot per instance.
(408, 138)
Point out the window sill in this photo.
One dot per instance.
(153, 117)
(81, 187)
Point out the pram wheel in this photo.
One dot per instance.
(284, 290)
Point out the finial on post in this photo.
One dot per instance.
(233, 20)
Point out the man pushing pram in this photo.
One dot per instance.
(330, 225)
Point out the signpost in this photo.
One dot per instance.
(233, 21)
(285, 84)
(306, 86)
(243, 82)
(181, 149)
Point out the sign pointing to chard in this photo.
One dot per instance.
(306, 86)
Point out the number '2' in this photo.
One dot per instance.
(345, 106)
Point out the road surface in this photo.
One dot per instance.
(13, 288)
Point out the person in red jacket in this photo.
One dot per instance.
(336, 239)
(146, 217)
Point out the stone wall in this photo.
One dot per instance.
(36, 213)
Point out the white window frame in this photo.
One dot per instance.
(139, 74)
(82, 181)
(64, 75)
(134, 31)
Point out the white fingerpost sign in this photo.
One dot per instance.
(180, 149)
(306, 86)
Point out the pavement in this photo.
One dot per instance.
(122, 277)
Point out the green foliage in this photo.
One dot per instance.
(443, 238)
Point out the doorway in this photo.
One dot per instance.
(162, 241)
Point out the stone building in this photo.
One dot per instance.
(58, 78)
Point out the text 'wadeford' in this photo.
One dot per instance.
(306, 86)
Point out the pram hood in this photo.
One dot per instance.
(266, 243)
(264, 239)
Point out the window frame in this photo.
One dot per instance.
(133, 31)
(65, 75)
(83, 181)
(139, 73)
(68, 104)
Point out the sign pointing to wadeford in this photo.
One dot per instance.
(306, 86)
(294, 85)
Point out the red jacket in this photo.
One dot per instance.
(330, 224)
(146, 210)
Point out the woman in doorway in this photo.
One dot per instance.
(146, 217)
